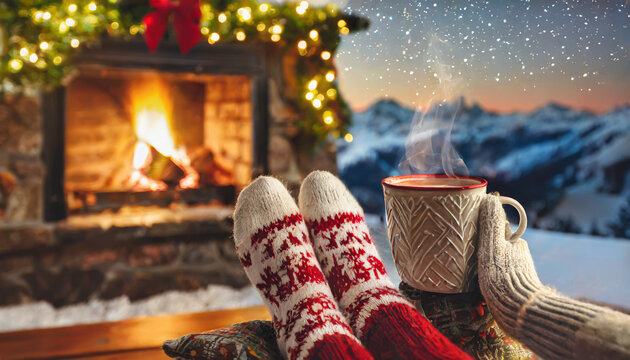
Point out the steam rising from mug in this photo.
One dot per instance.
(429, 149)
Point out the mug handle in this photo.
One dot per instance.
(522, 221)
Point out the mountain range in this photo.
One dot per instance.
(570, 169)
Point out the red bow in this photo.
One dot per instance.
(187, 14)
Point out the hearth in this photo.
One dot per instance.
(135, 129)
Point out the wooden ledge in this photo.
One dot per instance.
(137, 338)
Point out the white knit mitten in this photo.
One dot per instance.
(550, 324)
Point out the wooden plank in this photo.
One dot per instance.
(110, 338)
(156, 353)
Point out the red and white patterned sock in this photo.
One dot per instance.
(272, 243)
(388, 325)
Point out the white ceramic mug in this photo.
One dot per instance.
(432, 222)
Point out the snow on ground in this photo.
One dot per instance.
(576, 265)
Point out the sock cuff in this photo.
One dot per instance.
(323, 194)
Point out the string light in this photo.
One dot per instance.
(341, 23)
(63, 27)
(275, 37)
(72, 8)
(75, 43)
(92, 6)
(57, 60)
(70, 22)
(244, 13)
(240, 36)
(205, 30)
(330, 76)
(317, 103)
(24, 52)
(301, 8)
(263, 7)
(222, 18)
(331, 93)
(115, 25)
(310, 96)
(15, 65)
(344, 31)
(328, 118)
(33, 58)
(348, 137)
(46, 16)
(276, 29)
(43, 45)
(325, 55)
(312, 85)
(38, 16)
(213, 38)
(301, 45)
(261, 27)
(313, 35)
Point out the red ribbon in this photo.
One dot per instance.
(186, 14)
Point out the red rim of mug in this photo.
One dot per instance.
(389, 182)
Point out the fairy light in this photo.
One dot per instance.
(301, 45)
(38, 15)
(41, 64)
(70, 22)
(57, 60)
(63, 27)
(75, 43)
(43, 45)
(15, 64)
(222, 18)
(261, 27)
(263, 7)
(348, 137)
(133, 30)
(205, 30)
(115, 25)
(328, 118)
(309, 96)
(341, 23)
(325, 55)
(312, 85)
(275, 37)
(317, 103)
(313, 35)
(72, 8)
(330, 76)
(240, 36)
(213, 38)
(33, 58)
(302, 7)
(344, 31)
(320, 97)
(92, 6)
(276, 29)
(46, 16)
(244, 13)
(331, 93)
(24, 52)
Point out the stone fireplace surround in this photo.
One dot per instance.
(133, 252)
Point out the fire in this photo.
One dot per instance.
(151, 108)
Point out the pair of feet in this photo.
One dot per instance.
(322, 279)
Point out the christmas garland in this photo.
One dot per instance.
(38, 39)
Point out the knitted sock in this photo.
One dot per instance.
(272, 244)
(388, 325)
(552, 325)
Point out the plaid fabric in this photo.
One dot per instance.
(466, 321)
(249, 340)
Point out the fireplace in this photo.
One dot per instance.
(136, 129)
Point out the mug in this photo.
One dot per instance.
(432, 227)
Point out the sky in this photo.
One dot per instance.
(505, 55)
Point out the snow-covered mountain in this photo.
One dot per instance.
(569, 168)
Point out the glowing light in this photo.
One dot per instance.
(222, 18)
(328, 118)
(325, 55)
(261, 27)
(57, 60)
(63, 27)
(276, 29)
(92, 6)
(263, 7)
(302, 7)
(312, 85)
(313, 34)
(309, 96)
(72, 8)
(133, 30)
(301, 45)
(330, 76)
(15, 64)
(341, 23)
(344, 31)
(75, 43)
(245, 13)
(214, 37)
(240, 36)
(70, 22)
(317, 103)
(331, 93)
(43, 45)
(205, 31)
(348, 137)
(33, 58)
(24, 52)
(275, 37)
(115, 25)
(46, 16)
(38, 15)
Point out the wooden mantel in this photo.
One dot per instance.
(138, 338)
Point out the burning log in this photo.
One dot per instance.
(211, 171)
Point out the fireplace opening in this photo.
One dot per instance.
(141, 137)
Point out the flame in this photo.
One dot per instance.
(151, 108)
